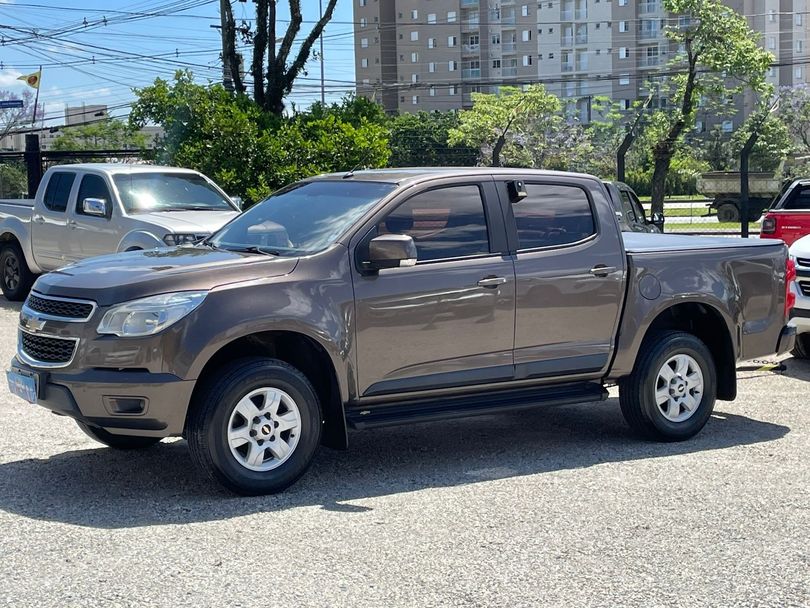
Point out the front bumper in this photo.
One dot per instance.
(121, 402)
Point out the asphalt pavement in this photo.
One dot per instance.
(555, 507)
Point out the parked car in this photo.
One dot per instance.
(724, 188)
(800, 315)
(630, 211)
(86, 210)
(788, 218)
(397, 296)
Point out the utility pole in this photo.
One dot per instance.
(227, 78)
(323, 92)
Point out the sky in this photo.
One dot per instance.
(96, 51)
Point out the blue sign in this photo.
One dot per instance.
(10, 103)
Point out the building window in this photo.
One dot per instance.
(799, 46)
(415, 100)
(700, 126)
(363, 22)
(797, 18)
(432, 67)
(364, 43)
(524, 10)
(451, 16)
(452, 90)
(452, 65)
(771, 42)
(431, 18)
(622, 2)
(364, 62)
(414, 57)
(496, 64)
(452, 41)
(526, 35)
(414, 78)
(414, 36)
(365, 82)
(431, 43)
(432, 91)
(626, 103)
(622, 26)
(624, 79)
(527, 60)
(496, 39)
(414, 14)
(797, 73)
(727, 126)
(771, 15)
(363, 2)
(623, 52)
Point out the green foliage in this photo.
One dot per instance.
(421, 140)
(771, 147)
(249, 151)
(107, 134)
(794, 111)
(13, 180)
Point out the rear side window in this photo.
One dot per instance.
(444, 223)
(92, 186)
(553, 215)
(799, 199)
(58, 191)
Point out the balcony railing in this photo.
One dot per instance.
(651, 61)
(567, 15)
(645, 8)
(567, 67)
(580, 14)
(582, 38)
(468, 3)
(471, 73)
(567, 41)
(508, 71)
(508, 47)
(472, 48)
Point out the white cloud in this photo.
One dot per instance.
(8, 78)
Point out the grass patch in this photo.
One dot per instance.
(753, 227)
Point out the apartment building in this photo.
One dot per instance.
(415, 55)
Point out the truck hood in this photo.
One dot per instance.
(187, 222)
(642, 242)
(801, 247)
(111, 279)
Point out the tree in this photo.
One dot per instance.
(107, 134)
(421, 140)
(794, 111)
(771, 145)
(494, 117)
(721, 55)
(273, 69)
(12, 119)
(551, 141)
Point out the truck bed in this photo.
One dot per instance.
(17, 202)
(640, 242)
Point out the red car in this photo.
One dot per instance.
(788, 218)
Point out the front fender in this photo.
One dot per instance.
(140, 239)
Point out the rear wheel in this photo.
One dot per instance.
(118, 442)
(670, 394)
(801, 350)
(255, 427)
(16, 279)
(728, 212)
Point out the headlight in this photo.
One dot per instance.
(149, 315)
(182, 238)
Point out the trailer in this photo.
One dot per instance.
(723, 187)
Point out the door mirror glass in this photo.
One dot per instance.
(94, 206)
(391, 251)
(657, 220)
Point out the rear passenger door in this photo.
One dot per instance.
(569, 269)
(52, 238)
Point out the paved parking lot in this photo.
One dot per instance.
(560, 507)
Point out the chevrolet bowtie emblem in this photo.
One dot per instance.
(31, 323)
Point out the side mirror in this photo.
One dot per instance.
(94, 206)
(237, 200)
(657, 220)
(391, 251)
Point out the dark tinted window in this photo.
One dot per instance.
(93, 186)
(799, 199)
(444, 223)
(627, 205)
(553, 215)
(58, 191)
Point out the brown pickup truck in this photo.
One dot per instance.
(382, 297)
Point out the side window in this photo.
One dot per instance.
(800, 199)
(627, 205)
(638, 208)
(553, 215)
(444, 223)
(92, 186)
(58, 191)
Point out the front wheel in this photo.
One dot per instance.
(670, 394)
(118, 442)
(16, 279)
(801, 350)
(256, 426)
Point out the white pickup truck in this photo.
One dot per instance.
(93, 209)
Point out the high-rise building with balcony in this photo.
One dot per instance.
(415, 55)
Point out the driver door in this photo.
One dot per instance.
(96, 235)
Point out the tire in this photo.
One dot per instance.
(232, 426)
(728, 212)
(118, 442)
(637, 392)
(801, 350)
(15, 279)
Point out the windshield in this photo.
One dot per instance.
(302, 218)
(143, 192)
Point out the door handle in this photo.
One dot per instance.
(72, 223)
(491, 281)
(38, 219)
(600, 270)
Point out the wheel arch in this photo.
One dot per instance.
(302, 352)
(139, 239)
(21, 238)
(708, 324)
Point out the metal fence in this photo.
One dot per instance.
(697, 216)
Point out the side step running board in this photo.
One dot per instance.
(473, 404)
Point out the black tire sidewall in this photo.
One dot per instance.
(232, 474)
(675, 345)
(26, 277)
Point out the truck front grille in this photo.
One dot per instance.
(804, 287)
(47, 349)
(63, 308)
(803, 262)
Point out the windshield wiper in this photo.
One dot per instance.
(253, 249)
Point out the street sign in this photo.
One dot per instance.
(10, 103)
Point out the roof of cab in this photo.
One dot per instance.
(121, 168)
(407, 175)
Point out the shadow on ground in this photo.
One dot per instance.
(108, 489)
